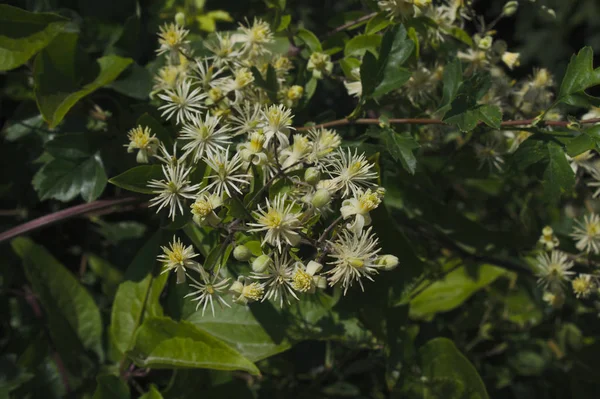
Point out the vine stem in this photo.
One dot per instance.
(64, 214)
(427, 121)
(350, 23)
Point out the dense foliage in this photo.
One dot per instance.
(388, 198)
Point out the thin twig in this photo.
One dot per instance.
(426, 121)
(350, 23)
(62, 215)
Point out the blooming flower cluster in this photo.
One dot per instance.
(292, 205)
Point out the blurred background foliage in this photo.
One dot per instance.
(496, 325)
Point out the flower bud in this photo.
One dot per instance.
(237, 287)
(313, 267)
(295, 93)
(312, 176)
(321, 282)
(261, 263)
(242, 253)
(387, 262)
(321, 198)
(180, 19)
(485, 43)
(510, 8)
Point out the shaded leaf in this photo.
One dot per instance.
(360, 44)
(136, 179)
(310, 39)
(396, 48)
(111, 387)
(580, 75)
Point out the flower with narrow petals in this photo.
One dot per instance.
(227, 176)
(204, 137)
(222, 49)
(208, 290)
(354, 258)
(352, 172)
(280, 222)
(242, 77)
(203, 209)
(298, 151)
(254, 38)
(277, 122)
(595, 183)
(305, 278)
(246, 118)
(173, 189)
(360, 207)
(324, 142)
(178, 257)
(140, 139)
(245, 291)
(489, 154)
(583, 285)
(183, 103)
(553, 270)
(171, 38)
(587, 234)
(277, 279)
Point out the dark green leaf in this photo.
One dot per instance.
(580, 75)
(453, 78)
(136, 179)
(71, 310)
(164, 343)
(467, 119)
(360, 44)
(310, 39)
(270, 84)
(23, 33)
(156, 128)
(368, 74)
(377, 23)
(135, 82)
(64, 179)
(153, 393)
(399, 146)
(442, 362)
(111, 387)
(396, 48)
(559, 178)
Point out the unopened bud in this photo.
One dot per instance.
(242, 253)
(295, 92)
(320, 282)
(387, 262)
(485, 43)
(261, 263)
(236, 287)
(180, 19)
(510, 8)
(312, 176)
(321, 198)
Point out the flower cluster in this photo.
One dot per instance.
(292, 205)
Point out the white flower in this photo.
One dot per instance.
(242, 77)
(246, 118)
(293, 154)
(351, 172)
(277, 279)
(178, 257)
(254, 38)
(141, 140)
(355, 258)
(222, 49)
(208, 290)
(588, 234)
(253, 150)
(227, 175)
(360, 206)
(204, 137)
(203, 209)
(277, 122)
(593, 113)
(397, 8)
(245, 292)
(305, 278)
(182, 102)
(595, 183)
(319, 64)
(488, 154)
(548, 239)
(583, 285)
(511, 59)
(553, 270)
(583, 160)
(171, 38)
(206, 74)
(173, 189)
(280, 222)
(324, 143)
(354, 86)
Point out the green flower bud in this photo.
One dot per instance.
(312, 176)
(510, 8)
(242, 253)
(387, 262)
(261, 263)
(180, 19)
(485, 43)
(321, 198)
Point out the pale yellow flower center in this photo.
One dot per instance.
(369, 201)
(201, 208)
(139, 137)
(301, 281)
(176, 254)
(253, 291)
(582, 286)
(272, 219)
(356, 262)
(593, 229)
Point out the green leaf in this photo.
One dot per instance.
(164, 343)
(136, 179)
(451, 291)
(369, 74)
(135, 82)
(134, 302)
(310, 39)
(558, 177)
(270, 84)
(153, 393)
(453, 78)
(442, 362)
(23, 33)
(400, 146)
(467, 119)
(378, 23)
(64, 179)
(580, 75)
(72, 313)
(360, 44)
(111, 387)
(396, 48)
(54, 76)
(109, 274)
(241, 330)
